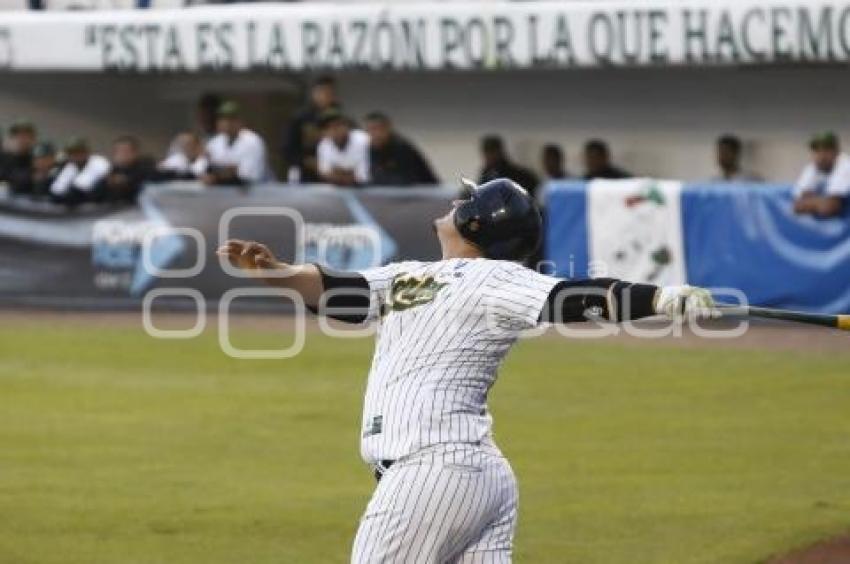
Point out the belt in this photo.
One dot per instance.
(381, 467)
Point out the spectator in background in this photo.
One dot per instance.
(729, 149)
(824, 184)
(80, 175)
(552, 158)
(45, 168)
(393, 160)
(237, 155)
(206, 115)
(497, 164)
(304, 132)
(17, 168)
(130, 170)
(597, 162)
(187, 162)
(343, 152)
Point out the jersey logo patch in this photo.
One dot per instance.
(410, 291)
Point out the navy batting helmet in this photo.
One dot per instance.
(500, 218)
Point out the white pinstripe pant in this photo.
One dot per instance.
(446, 504)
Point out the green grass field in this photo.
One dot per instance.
(122, 449)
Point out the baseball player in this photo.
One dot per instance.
(445, 492)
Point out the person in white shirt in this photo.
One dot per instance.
(824, 184)
(81, 176)
(343, 152)
(188, 161)
(237, 155)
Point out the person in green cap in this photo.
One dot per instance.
(824, 184)
(237, 155)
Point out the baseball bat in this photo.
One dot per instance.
(835, 321)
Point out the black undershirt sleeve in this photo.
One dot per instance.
(608, 298)
(345, 297)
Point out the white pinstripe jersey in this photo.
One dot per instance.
(443, 329)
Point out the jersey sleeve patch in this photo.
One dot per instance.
(515, 296)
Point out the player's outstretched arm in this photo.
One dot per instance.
(343, 296)
(617, 300)
(259, 260)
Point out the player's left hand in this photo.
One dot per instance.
(248, 255)
(677, 302)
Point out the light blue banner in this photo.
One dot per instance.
(743, 236)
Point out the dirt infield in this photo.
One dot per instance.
(762, 335)
(833, 551)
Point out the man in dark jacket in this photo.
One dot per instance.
(393, 160)
(45, 169)
(497, 164)
(130, 170)
(17, 168)
(304, 133)
(597, 162)
(552, 158)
